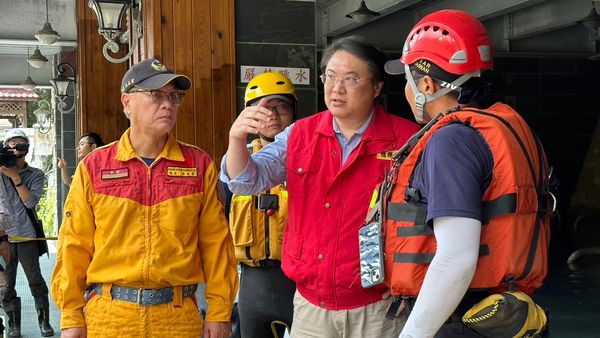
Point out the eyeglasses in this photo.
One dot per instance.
(281, 109)
(159, 95)
(331, 80)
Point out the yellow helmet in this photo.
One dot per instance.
(266, 84)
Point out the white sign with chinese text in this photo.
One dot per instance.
(298, 76)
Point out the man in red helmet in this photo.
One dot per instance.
(466, 204)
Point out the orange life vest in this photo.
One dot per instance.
(516, 216)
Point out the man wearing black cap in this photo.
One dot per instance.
(142, 226)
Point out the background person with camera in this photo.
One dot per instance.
(23, 187)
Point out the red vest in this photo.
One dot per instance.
(328, 203)
(516, 220)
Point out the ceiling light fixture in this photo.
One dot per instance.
(592, 20)
(28, 83)
(47, 35)
(363, 14)
(36, 59)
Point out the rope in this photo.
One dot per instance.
(21, 239)
(485, 316)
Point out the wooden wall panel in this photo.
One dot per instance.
(191, 37)
(203, 94)
(196, 38)
(99, 81)
(184, 63)
(223, 47)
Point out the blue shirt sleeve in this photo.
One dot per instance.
(227, 196)
(456, 168)
(265, 169)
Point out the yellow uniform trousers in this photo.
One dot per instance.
(105, 317)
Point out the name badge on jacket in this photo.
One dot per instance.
(112, 174)
(386, 155)
(182, 172)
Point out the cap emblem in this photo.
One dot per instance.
(159, 67)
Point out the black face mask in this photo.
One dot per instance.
(21, 147)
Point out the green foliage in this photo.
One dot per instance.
(46, 209)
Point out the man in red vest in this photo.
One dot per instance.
(332, 161)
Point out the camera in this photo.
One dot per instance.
(7, 155)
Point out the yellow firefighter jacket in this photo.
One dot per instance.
(145, 227)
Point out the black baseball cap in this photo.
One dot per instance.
(152, 74)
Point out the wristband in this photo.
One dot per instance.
(4, 238)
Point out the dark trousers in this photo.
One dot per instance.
(27, 254)
(454, 327)
(265, 295)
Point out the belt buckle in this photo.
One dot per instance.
(139, 299)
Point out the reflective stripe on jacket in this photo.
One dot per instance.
(255, 237)
(145, 227)
(515, 226)
(328, 204)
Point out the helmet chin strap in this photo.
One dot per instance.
(421, 99)
(266, 138)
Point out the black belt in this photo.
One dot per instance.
(269, 263)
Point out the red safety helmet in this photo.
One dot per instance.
(454, 40)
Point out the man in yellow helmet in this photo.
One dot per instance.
(257, 223)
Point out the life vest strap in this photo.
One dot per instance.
(426, 258)
(407, 212)
(505, 204)
(414, 258)
(417, 230)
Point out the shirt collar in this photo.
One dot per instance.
(170, 151)
(360, 130)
